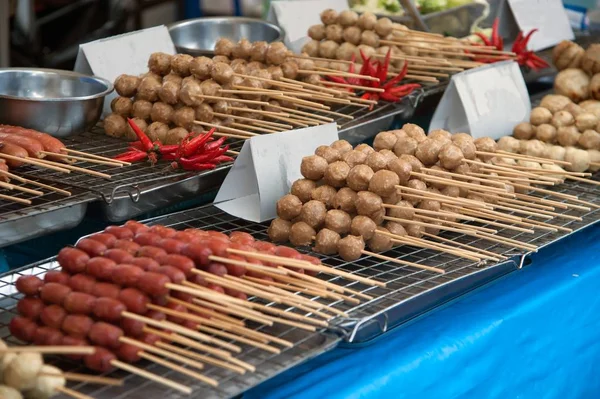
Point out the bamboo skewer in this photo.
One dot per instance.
(357, 87)
(333, 287)
(237, 100)
(174, 337)
(460, 244)
(405, 240)
(150, 376)
(202, 358)
(35, 162)
(258, 128)
(91, 379)
(9, 186)
(179, 369)
(154, 349)
(90, 160)
(403, 262)
(88, 155)
(75, 168)
(51, 349)
(35, 183)
(227, 129)
(15, 199)
(72, 393)
(338, 73)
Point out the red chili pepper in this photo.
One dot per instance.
(483, 38)
(223, 158)
(495, 40)
(397, 78)
(215, 144)
(197, 143)
(336, 79)
(132, 156)
(200, 166)
(144, 140)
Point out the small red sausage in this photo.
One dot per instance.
(129, 246)
(314, 261)
(118, 255)
(91, 247)
(54, 293)
(136, 227)
(156, 315)
(241, 237)
(122, 233)
(108, 309)
(133, 328)
(172, 246)
(150, 339)
(184, 236)
(82, 283)
(134, 300)
(127, 275)
(77, 325)
(147, 239)
(175, 275)
(264, 246)
(153, 284)
(47, 336)
(100, 360)
(54, 276)
(53, 316)
(72, 260)
(23, 328)
(106, 290)
(181, 262)
(165, 232)
(218, 269)
(128, 353)
(102, 268)
(30, 307)
(29, 285)
(69, 340)
(104, 238)
(184, 296)
(160, 300)
(199, 252)
(216, 288)
(147, 264)
(79, 303)
(106, 335)
(236, 270)
(217, 235)
(218, 247)
(151, 251)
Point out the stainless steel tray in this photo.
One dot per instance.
(306, 346)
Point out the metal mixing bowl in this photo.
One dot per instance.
(50, 100)
(198, 36)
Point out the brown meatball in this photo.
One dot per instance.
(301, 234)
(414, 162)
(329, 16)
(184, 117)
(139, 122)
(396, 228)
(160, 63)
(325, 194)
(258, 51)
(157, 131)
(363, 226)
(385, 141)
(191, 92)
(276, 53)
(368, 203)
(328, 49)
(317, 32)
(311, 48)
(567, 136)
(302, 189)
(330, 154)
(359, 177)
(242, 49)
(169, 92)
(342, 146)
(148, 89)
(428, 151)
(524, 131)
(380, 242)
(586, 121)
(345, 199)
(175, 135)
(276, 72)
(562, 118)
(486, 144)
(546, 133)
(540, 115)
(345, 52)
(221, 58)
(210, 88)
(466, 146)
(289, 70)
(141, 109)
(414, 131)
(115, 125)
(224, 46)
(313, 213)
(352, 34)
(384, 26)
(590, 140)
(367, 21)
(367, 149)
(405, 145)
(161, 112)
(180, 64)
(334, 33)
(350, 248)
(415, 184)
(279, 230)
(336, 174)
(221, 107)
(121, 106)
(354, 157)
(414, 230)
(402, 168)
(126, 85)
(204, 113)
(384, 182)
(338, 221)
(440, 134)
(451, 156)
(326, 242)
(348, 18)
(288, 207)
(451, 191)
(369, 38)
(376, 161)
(313, 167)
(201, 67)
(221, 72)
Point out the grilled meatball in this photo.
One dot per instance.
(384, 26)
(486, 144)
(590, 140)
(301, 234)
(160, 63)
(334, 32)
(415, 164)
(258, 51)
(313, 167)
(276, 53)
(380, 242)
(363, 226)
(524, 131)
(316, 32)
(325, 194)
(428, 151)
(579, 159)
(508, 144)
(175, 135)
(367, 203)
(534, 148)
(359, 177)
(161, 112)
(204, 113)
(201, 67)
(157, 131)
(385, 141)
(342, 146)
(345, 52)
(369, 38)
(329, 16)
(567, 136)
(191, 92)
(352, 35)
(376, 161)
(302, 189)
(221, 72)
(441, 135)
(184, 117)
(329, 153)
(451, 156)
(141, 109)
(345, 199)
(540, 115)
(348, 18)
(354, 157)
(350, 248)
(242, 49)
(466, 146)
(414, 131)
(384, 182)
(289, 207)
(289, 69)
(586, 121)
(279, 230)
(115, 125)
(328, 48)
(313, 213)
(169, 92)
(338, 221)
(562, 118)
(367, 21)
(148, 89)
(326, 242)
(311, 48)
(405, 145)
(336, 173)
(121, 106)
(546, 133)
(180, 64)
(126, 85)
(224, 46)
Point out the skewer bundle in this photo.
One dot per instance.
(135, 291)
(412, 185)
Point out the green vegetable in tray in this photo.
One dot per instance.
(389, 5)
(429, 6)
(458, 3)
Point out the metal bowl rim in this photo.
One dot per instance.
(60, 72)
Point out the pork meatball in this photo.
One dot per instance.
(242, 49)
(376, 161)
(579, 159)
(573, 83)
(289, 207)
(148, 89)
(348, 18)
(385, 141)
(384, 26)
(157, 131)
(302, 189)
(384, 182)
(311, 48)
(508, 144)
(567, 54)
(330, 154)
(406, 145)
(345, 52)
(546, 133)
(414, 162)
(334, 32)
(121, 106)
(184, 117)
(352, 35)
(380, 242)
(279, 230)
(140, 123)
(191, 92)
(336, 173)
(301, 234)
(590, 140)
(342, 146)
(141, 109)
(555, 152)
(289, 70)
(325, 194)
(313, 213)
(414, 230)
(276, 53)
(316, 32)
(440, 134)
(345, 200)
(466, 146)
(363, 226)
(161, 112)
(562, 118)
(368, 203)
(115, 125)
(258, 51)
(204, 113)
(594, 156)
(414, 131)
(555, 102)
(175, 136)
(201, 68)
(328, 49)
(180, 64)
(450, 156)
(359, 177)
(567, 136)
(402, 169)
(169, 92)
(396, 229)
(486, 144)
(350, 248)
(534, 148)
(224, 47)
(402, 210)
(160, 63)
(367, 21)
(369, 38)
(326, 242)
(126, 85)
(221, 72)
(338, 221)
(313, 167)
(354, 157)
(540, 115)
(329, 16)
(428, 151)
(586, 121)
(524, 131)
(276, 71)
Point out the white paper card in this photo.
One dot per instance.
(266, 168)
(486, 102)
(295, 17)
(549, 16)
(127, 53)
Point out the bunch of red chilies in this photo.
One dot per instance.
(202, 152)
(393, 91)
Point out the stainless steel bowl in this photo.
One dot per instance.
(198, 36)
(53, 101)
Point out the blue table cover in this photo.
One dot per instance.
(533, 334)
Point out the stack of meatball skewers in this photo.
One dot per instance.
(411, 185)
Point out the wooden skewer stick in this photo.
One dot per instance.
(424, 244)
(558, 195)
(458, 183)
(54, 350)
(91, 379)
(243, 118)
(72, 393)
(306, 289)
(338, 73)
(417, 59)
(258, 128)
(88, 155)
(200, 357)
(227, 129)
(505, 154)
(179, 369)
(331, 286)
(90, 160)
(9, 186)
(35, 162)
(174, 337)
(469, 230)
(428, 212)
(153, 349)
(444, 198)
(15, 199)
(557, 204)
(419, 241)
(76, 169)
(403, 262)
(469, 247)
(357, 87)
(35, 183)
(292, 55)
(584, 180)
(231, 135)
(459, 176)
(595, 163)
(334, 92)
(508, 241)
(261, 124)
(150, 376)
(237, 100)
